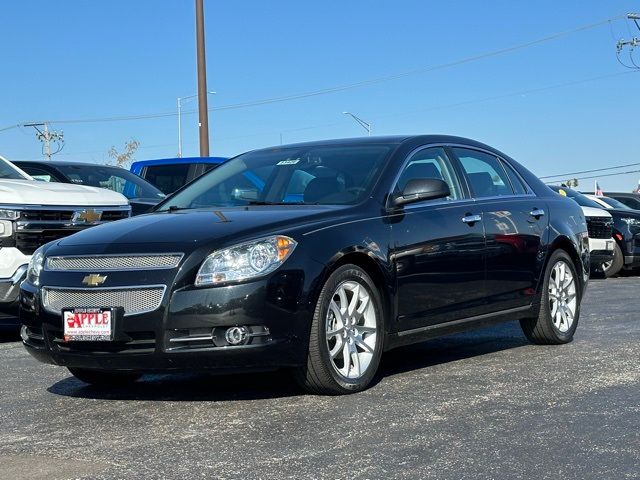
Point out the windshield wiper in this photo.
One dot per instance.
(259, 202)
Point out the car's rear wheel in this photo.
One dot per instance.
(347, 334)
(614, 266)
(557, 319)
(103, 378)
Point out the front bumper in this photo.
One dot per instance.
(10, 287)
(180, 334)
(600, 251)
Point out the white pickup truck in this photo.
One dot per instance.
(33, 213)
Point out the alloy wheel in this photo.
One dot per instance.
(351, 329)
(562, 296)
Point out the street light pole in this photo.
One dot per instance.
(362, 123)
(203, 113)
(179, 103)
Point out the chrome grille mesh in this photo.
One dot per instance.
(115, 262)
(134, 300)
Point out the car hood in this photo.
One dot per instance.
(192, 229)
(617, 213)
(595, 212)
(33, 192)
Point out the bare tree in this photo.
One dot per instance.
(124, 157)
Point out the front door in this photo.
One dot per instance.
(438, 249)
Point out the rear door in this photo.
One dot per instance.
(515, 220)
(438, 248)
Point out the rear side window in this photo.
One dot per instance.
(168, 178)
(430, 163)
(516, 182)
(485, 172)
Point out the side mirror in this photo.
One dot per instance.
(419, 189)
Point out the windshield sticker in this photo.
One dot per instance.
(288, 162)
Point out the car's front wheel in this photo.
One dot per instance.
(347, 335)
(557, 319)
(103, 378)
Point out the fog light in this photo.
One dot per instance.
(236, 335)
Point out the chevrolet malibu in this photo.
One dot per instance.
(317, 257)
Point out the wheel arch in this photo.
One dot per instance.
(374, 267)
(564, 243)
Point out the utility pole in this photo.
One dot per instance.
(632, 43)
(46, 137)
(203, 113)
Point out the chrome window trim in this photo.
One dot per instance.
(94, 289)
(449, 202)
(47, 269)
(500, 159)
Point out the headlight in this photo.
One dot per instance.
(632, 221)
(35, 267)
(9, 214)
(246, 260)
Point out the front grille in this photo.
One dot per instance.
(600, 227)
(141, 342)
(115, 262)
(27, 241)
(112, 215)
(134, 300)
(46, 215)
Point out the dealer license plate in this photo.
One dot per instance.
(609, 244)
(88, 324)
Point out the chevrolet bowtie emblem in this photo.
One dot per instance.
(88, 215)
(94, 280)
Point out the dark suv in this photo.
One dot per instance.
(334, 252)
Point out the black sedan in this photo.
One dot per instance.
(317, 257)
(140, 193)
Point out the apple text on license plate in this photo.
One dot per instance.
(88, 324)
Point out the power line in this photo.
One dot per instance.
(354, 85)
(597, 176)
(567, 175)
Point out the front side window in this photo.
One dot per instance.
(318, 175)
(485, 173)
(429, 163)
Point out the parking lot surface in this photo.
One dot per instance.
(484, 404)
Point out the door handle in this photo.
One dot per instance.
(537, 213)
(471, 219)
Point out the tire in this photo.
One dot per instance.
(616, 264)
(552, 326)
(362, 334)
(104, 378)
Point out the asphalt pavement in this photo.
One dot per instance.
(480, 405)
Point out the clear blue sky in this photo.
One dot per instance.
(77, 59)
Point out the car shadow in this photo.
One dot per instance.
(278, 384)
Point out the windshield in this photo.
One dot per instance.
(8, 171)
(613, 203)
(579, 198)
(319, 175)
(113, 178)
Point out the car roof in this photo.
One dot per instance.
(387, 139)
(66, 163)
(172, 161)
